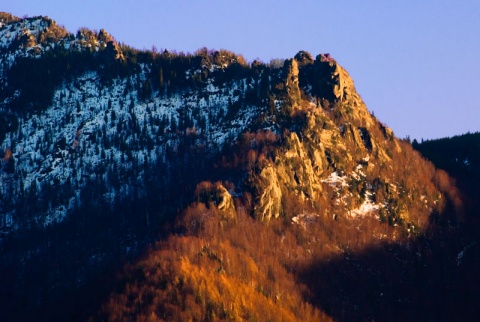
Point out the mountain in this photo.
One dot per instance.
(230, 190)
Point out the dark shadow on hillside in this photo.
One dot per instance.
(435, 277)
(460, 157)
(64, 272)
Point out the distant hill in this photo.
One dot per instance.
(460, 157)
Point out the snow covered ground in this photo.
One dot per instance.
(92, 129)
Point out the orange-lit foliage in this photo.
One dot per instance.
(239, 269)
(224, 57)
(252, 150)
(53, 33)
(236, 268)
(218, 270)
(447, 186)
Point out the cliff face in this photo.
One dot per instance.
(336, 157)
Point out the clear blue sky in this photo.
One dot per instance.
(415, 63)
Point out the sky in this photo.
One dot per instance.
(416, 64)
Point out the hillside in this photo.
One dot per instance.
(260, 191)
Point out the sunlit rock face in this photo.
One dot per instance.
(331, 144)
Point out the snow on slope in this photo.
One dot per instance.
(93, 130)
(70, 134)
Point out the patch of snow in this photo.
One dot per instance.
(460, 257)
(335, 180)
(366, 208)
(305, 219)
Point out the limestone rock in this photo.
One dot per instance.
(269, 201)
(303, 58)
(225, 200)
(216, 195)
(112, 48)
(333, 138)
(302, 165)
(6, 17)
(291, 83)
(333, 82)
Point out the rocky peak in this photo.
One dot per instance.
(303, 58)
(292, 82)
(332, 81)
(216, 195)
(325, 127)
(6, 17)
(332, 148)
(112, 48)
(104, 36)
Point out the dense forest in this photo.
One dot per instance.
(166, 186)
(460, 157)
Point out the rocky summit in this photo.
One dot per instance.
(108, 149)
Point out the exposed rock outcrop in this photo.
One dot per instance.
(215, 194)
(291, 83)
(113, 50)
(53, 33)
(269, 201)
(336, 149)
(300, 167)
(225, 200)
(6, 17)
(304, 58)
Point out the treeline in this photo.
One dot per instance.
(458, 155)
(167, 72)
(37, 78)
